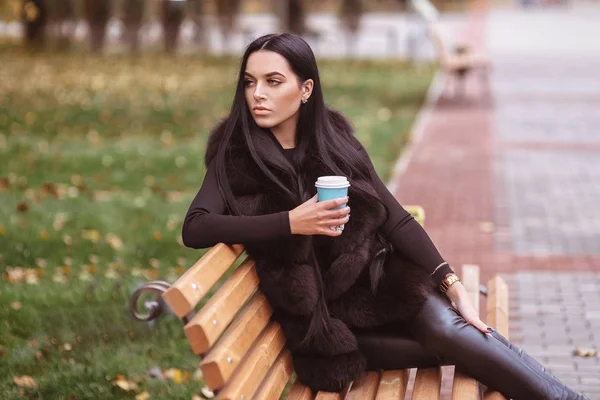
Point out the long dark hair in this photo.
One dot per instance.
(317, 131)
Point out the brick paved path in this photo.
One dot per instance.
(513, 183)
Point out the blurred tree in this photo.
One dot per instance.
(227, 11)
(62, 21)
(133, 15)
(171, 15)
(96, 14)
(350, 14)
(34, 14)
(292, 16)
(196, 12)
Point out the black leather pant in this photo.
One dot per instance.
(439, 335)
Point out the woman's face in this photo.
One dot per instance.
(273, 92)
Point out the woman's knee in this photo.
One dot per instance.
(438, 324)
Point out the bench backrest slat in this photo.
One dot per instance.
(277, 378)
(195, 283)
(224, 357)
(210, 322)
(254, 367)
(464, 387)
(393, 384)
(497, 317)
(497, 305)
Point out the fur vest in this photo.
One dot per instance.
(287, 269)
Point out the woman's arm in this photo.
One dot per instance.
(406, 235)
(206, 225)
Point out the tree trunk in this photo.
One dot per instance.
(227, 11)
(35, 17)
(133, 15)
(62, 20)
(292, 16)
(197, 15)
(97, 14)
(172, 13)
(350, 15)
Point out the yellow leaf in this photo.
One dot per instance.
(156, 235)
(25, 381)
(2, 230)
(126, 385)
(91, 235)
(44, 235)
(142, 396)
(174, 374)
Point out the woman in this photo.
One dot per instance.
(339, 295)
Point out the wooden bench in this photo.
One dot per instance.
(457, 64)
(243, 354)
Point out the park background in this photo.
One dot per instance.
(105, 108)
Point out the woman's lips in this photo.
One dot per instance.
(261, 110)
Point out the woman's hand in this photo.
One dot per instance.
(462, 303)
(317, 218)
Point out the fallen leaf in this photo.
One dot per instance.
(584, 352)
(67, 347)
(174, 375)
(15, 305)
(206, 392)
(156, 372)
(142, 396)
(156, 235)
(25, 381)
(114, 241)
(22, 207)
(125, 384)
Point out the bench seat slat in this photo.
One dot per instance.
(328, 396)
(280, 373)
(299, 391)
(253, 368)
(224, 357)
(195, 283)
(393, 384)
(427, 384)
(365, 387)
(210, 322)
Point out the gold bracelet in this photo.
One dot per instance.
(448, 281)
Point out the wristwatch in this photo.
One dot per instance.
(447, 282)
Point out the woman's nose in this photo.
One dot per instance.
(258, 94)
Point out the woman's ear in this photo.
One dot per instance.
(307, 87)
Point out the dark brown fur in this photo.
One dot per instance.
(289, 280)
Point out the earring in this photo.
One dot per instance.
(304, 100)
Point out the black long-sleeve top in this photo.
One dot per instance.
(206, 224)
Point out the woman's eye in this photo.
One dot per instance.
(274, 82)
(247, 82)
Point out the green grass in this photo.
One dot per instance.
(98, 148)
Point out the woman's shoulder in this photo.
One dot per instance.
(344, 126)
(214, 138)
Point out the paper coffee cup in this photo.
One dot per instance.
(332, 187)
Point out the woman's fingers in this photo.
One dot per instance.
(334, 222)
(470, 315)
